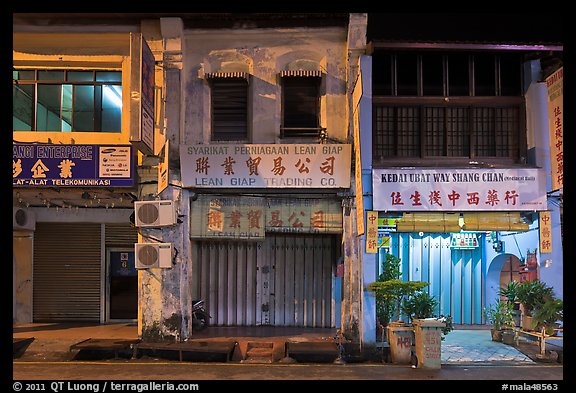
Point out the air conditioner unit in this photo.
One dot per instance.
(23, 219)
(148, 255)
(154, 213)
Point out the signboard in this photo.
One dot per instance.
(266, 166)
(459, 189)
(545, 226)
(142, 94)
(371, 232)
(248, 218)
(464, 241)
(42, 165)
(555, 87)
(148, 78)
(357, 95)
(384, 240)
(163, 168)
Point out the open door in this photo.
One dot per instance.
(122, 285)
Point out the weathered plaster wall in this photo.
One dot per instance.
(263, 53)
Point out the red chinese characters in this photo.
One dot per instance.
(490, 197)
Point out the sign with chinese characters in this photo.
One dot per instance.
(554, 85)
(304, 215)
(248, 218)
(266, 166)
(43, 165)
(545, 232)
(451, 189)
(371, 232)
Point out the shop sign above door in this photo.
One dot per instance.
(453, 189)
(248, 218)
(47, 165)
(266, 166)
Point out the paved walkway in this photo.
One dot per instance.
(462, 346)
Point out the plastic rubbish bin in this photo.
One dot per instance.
(428, 335)
(400, 338)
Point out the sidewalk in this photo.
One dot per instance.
(52, 342)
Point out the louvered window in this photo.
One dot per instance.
(229, 109)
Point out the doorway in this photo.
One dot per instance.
(511, 271)
(122, 285)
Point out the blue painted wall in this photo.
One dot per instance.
(466, 281)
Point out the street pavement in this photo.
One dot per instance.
(466, 354)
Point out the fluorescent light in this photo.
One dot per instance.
(113, 95)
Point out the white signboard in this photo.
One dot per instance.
(452, 189)
(114, 161)
(266, 166)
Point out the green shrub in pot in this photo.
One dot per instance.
(547, 315)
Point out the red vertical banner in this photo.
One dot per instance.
(555, 87)
(371, 232)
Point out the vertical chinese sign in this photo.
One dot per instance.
(545, 232)
(554, 85)
(371, 232)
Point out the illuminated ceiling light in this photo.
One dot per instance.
(113, 95)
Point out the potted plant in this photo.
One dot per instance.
(547, 315)
(385, 309)
(390, 291)
(419, 305)
(531, 294)
(499, 315)
(510, 292)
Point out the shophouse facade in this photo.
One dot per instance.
(74, 171)
(236, 130)
(460, 170)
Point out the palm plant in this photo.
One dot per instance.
(548, 314)
(533, 293)
(510, 292)
(499, 315)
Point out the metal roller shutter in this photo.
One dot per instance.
(121, 235)
(67, 272)
(284, 281)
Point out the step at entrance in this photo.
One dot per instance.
(259, 352)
